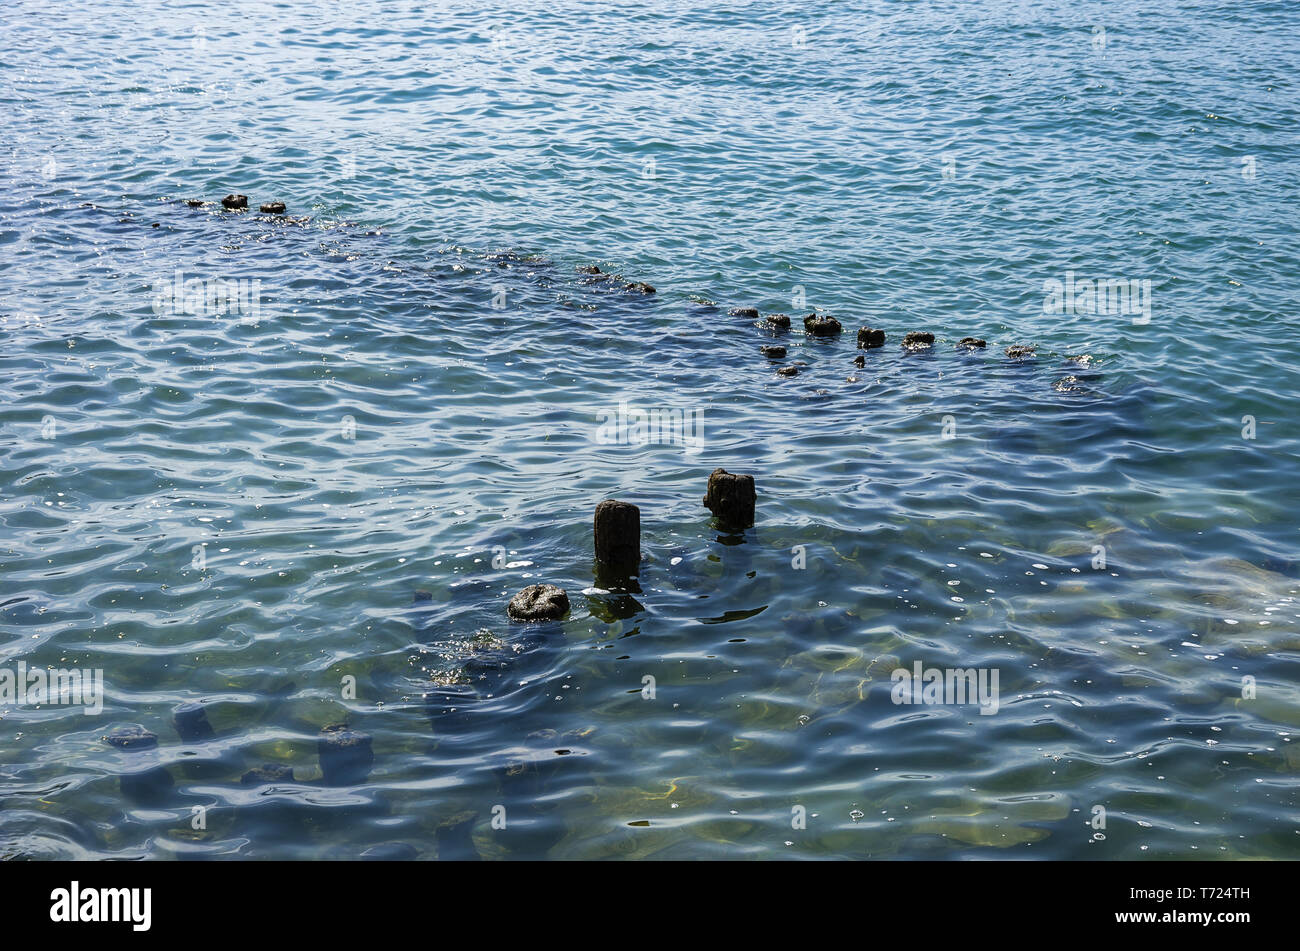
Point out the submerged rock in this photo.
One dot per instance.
(1070, 384)
(972, 343)
(539, 602)
(234, 202)
(1020, 350)
(859, 361)
(132, 738)
(821, 326)
(588, 269)
(266, 774)
(750, 312)
(788, 371)
(918, 340)
(273, 208)
(195, 202)
(638, 287)
(869, 338)
(781, 321)
(772, 353)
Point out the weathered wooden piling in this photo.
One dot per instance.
(455, 840)
(821, 326)
(617, 536)
(869, 338)
(731, 498)
(346, 755)
(191, 722)
(141, 779)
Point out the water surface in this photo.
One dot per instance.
(315, 513)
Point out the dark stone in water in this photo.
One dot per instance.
(132, 738)
(781, 321)
(774, 353)
(234, 202)
(731, 498)
(821, 326)
(422, 597)
(617, 536)
(345, 755)
(191, 722)
(588, 269)
(155, 225)
(788, 371)
(267, 774)
(273, 208)
(859, 361)
(918, 340)
(1020, 350)
(195, 202)
(750, 312)
(1070, 384)
(539, 602)
(638, 287)
(869, 339)
(972, 343)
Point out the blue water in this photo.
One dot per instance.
(314, 512)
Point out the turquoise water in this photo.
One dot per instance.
(309, 510)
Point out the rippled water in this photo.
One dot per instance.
(314, 513)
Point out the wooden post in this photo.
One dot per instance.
(731, 498)
(346, 755)
(618, 536)
(191, 722)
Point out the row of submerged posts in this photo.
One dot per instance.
(616, 534)
(869, 338)
(346, 755)
(234, 202)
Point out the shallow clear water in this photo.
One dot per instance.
(240, 509)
